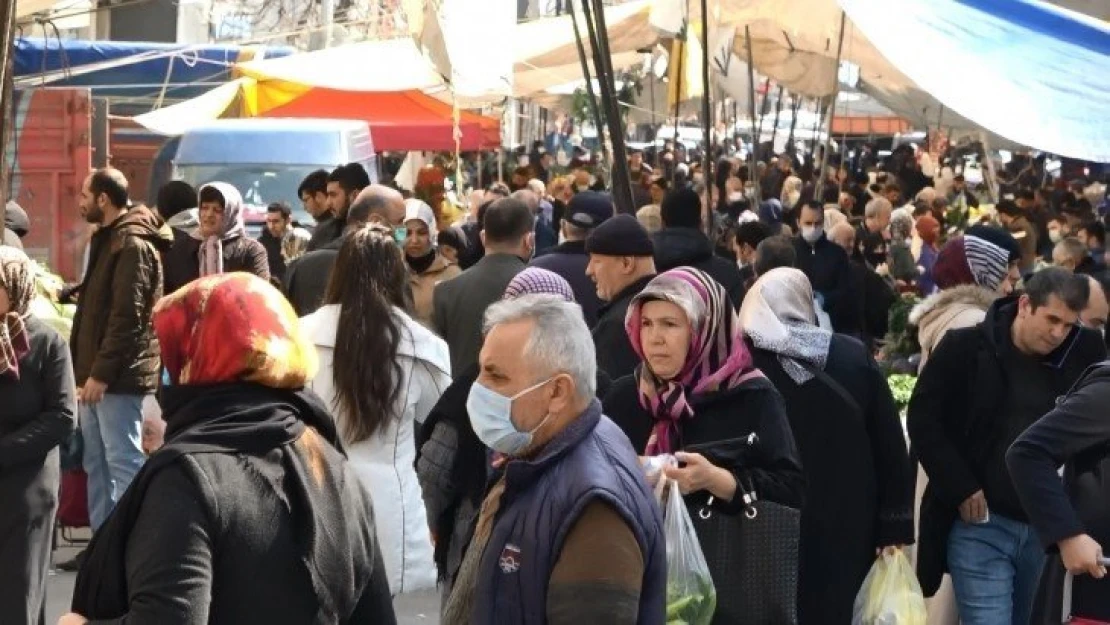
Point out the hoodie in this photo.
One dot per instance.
(689, 247)
(112, 338)
(959, 307)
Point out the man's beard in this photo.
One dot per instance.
(94, 215)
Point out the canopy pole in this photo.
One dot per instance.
(762, 108)
(619, 180)
(678, 85)
(7, 103)
(778, 112)
(831, 111)
(591, 98)
(707, 118)
(751, 111)
(795, 108)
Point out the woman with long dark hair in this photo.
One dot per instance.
(381, 372)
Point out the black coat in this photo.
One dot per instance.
(39, 413)
(272, 245)
(615, 355)
(182, 261)
(689, 247)
(306, 278)
(957, 411)
(772, 464)
(826, 265)
(569, 261)
(327, 230)
(859, 481)
(1075, 434)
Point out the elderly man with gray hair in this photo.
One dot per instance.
(570, 530)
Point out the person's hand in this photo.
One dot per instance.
(974, 508)
(92, 392)
(700, 474)
(882, 270)
(889, 550)
(1082, 554)
(72, 619)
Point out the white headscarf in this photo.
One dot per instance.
(211, 248)
(778, 315)
(420, 211)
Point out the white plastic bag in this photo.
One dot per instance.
(890, 594)
(691, 596)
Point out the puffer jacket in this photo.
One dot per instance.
(112, 338)
(240, 254)
(959, 307)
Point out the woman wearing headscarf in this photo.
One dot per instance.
(452, 464)
(427, 267)
(928, 229)
(219, 244)
(380, 373)
(902, 267)
(859, 481)
(697, 386)
(249, 512)
(39, 408)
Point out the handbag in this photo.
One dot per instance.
(752, 558)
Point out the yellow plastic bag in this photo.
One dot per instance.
(890, 594)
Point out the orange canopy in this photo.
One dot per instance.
(399, 120)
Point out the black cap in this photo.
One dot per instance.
(588, 209)
(620, 236)
(15, 219)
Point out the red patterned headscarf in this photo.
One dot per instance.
(718, 357)
(232, 327)
(17, 278)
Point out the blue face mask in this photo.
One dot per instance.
(400, 233)
(491, 416)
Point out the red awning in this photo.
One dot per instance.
(405, 120)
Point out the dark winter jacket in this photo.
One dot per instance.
(274, 259)
(240, 254)
(589, 461)
(327, 230)
(1075, 434)
(615, 355)
(689, 247)
(959, 419)
(569, 260)
(112, 339)
(772, 465)
(306, 279)
(859, 481)
(826, 265)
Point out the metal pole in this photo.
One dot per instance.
(678, 94)
(327, 7)
(7, 119)
(620, 180)
(707, 115)
(831, 110)
(591, 98)
(751, 110)
(778, 112)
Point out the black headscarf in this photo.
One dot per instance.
(232, 418)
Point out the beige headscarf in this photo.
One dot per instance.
(779, 316)
(211, 248)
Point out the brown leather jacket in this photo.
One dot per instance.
(112, 339)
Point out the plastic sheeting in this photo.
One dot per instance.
(1023, 69)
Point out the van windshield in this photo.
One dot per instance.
(260, 185)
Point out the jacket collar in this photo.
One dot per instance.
(500, 260)
(569, 247)
(627, 293)
(524, 471)
(417, 342)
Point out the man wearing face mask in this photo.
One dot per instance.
(826, 266)
(569, 531)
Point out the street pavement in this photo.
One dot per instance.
(414, 609)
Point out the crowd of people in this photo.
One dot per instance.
(413, 397)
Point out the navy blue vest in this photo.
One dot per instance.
(591, 459)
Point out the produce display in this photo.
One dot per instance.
(46, 305)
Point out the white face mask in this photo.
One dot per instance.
(491, 416)
(812, 233)
(1055, 236)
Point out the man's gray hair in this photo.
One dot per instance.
(876, 207)
(530, 199)
(560, 341)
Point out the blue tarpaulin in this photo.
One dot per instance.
(1024, 69)
(130, 69)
